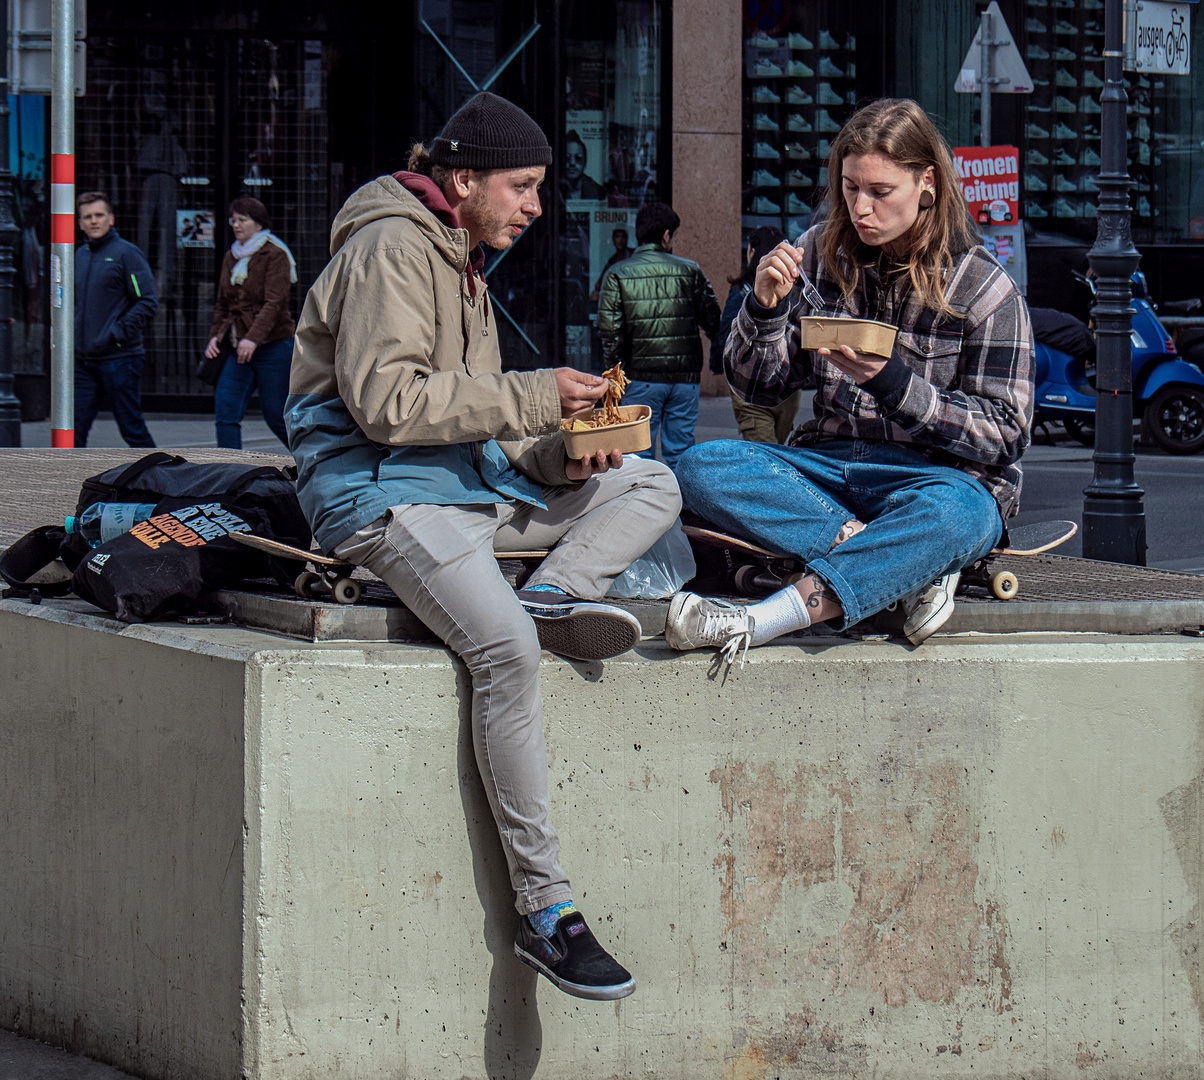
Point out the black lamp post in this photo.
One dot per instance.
(10, 407)
(1113, 514)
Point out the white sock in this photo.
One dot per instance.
(778, 614)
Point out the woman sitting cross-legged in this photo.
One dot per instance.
(907, 470)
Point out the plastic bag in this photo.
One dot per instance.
(660, 572)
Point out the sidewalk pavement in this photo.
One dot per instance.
(25, 1059)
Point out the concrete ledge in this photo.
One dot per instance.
(229, 854)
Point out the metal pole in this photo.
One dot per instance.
(985, 80)
(1113, 514)
(10, 407)
(62, 223)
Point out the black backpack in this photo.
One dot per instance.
(183, 551)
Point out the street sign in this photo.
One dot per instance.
(1009, 75)
(1157, 37)
(29, 46)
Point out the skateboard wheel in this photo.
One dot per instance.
(746, 580)
(305, 583)
(1004, 585)
(347, 591)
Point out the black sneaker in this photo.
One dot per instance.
(573, 959)
(580, 629)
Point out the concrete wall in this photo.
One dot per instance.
(850, 858)
(707, 179)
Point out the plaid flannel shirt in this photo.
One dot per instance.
(959, 390)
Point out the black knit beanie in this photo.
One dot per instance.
(489, 132)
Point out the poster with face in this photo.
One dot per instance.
(194, 228)
(583, 170)
(611, 239)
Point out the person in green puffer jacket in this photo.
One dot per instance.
(649, 314)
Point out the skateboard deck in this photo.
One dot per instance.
(332, 577)
(768, 571)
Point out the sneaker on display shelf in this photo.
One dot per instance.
(1143, 206)
(1093, 28)
(1090, 210)
(1032, 182)
(1033, 210)
(764, 178)
(1064, 27)
(850, 42)
(1035, 131)
(1062, 77)
(823, 147)
(764, 122)
(1088, 104)
(1038, 3)
(1089, 157)
(799, 70)
(765, 68)
(797, 122)
(764, 205)
(1062, 157)
(795, 205)
(1064, 131)
(762, 95)
(796, 95)
(1090, 52)
(797, 178)
(828, 96)
(1141, 130)
(1039, 82)
(1035, 52)
(823, 122)
(1088, 184)
(765, 151)
(1035, 157)
(797, 151)
(827, 41)
(1061, 183)
(851, 97)
(1063, 104)
(761, 40)
(1034, 26)
(829, 69)
(1092, 80)
(1066, 208)
(798, 41)
(795, 228)
(1040, 108)
(1063, 53)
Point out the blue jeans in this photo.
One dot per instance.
(268, 369)
(674, 412)
(118, 380)
(922, 520)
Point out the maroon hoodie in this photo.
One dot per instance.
(427, 192)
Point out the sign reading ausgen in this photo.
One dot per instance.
(1158, 37)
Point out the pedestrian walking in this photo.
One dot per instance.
(652, 306)
(418, 457)
(908, 468)
(115, 300)
(757, 423)
(251, 320)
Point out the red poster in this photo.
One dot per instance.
(990, 180)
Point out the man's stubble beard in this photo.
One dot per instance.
(481, 220)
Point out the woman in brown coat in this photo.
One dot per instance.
(251, 314)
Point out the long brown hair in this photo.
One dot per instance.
(900, 130)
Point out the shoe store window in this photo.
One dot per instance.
(807, 68)
(1063, 46)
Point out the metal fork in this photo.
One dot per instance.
(810, 292)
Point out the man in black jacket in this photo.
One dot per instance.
(114, 299)
(651, 309)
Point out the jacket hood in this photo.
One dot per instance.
(411, 196)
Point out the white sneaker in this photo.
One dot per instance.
(695, 622)
(929, 609)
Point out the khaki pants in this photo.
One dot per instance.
(768, 425)
(440, 562)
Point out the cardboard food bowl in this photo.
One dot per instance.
(629, 437)
(864, 335)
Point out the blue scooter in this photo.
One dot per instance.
(1168, 389)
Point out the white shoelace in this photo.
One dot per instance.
(735, 628)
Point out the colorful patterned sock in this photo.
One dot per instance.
(545, 920)
(778, 614)
(544, 588)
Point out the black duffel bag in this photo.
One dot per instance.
(183, 551)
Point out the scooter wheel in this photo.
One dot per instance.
(1175, 417)
(1004, 585)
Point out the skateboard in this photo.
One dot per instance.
(754, 570)
(328, 577)
(332, 577)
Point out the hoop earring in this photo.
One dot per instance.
(927, 198)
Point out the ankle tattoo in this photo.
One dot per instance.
(849, 529)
